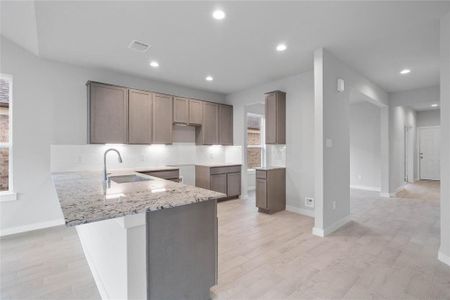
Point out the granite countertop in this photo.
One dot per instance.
(212, 165)
(84, 199)
(270, 168)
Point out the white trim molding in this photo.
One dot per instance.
(444, 258)
(366, 188)
(322, 232)
(8, 196)
(301, 211)
(31, 227)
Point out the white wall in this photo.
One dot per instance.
(429, 118)
(49, 107)
(444, 251)
(365, 146)
(298, 153)
(332, 145)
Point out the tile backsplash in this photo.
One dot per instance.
(90, 157)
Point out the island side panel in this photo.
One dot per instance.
(182, 251)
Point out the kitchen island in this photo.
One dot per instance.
(143, 237)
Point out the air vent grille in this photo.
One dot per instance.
(139, 46)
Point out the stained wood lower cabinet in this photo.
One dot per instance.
(162, 119)
(219, 183)
(108, 113)
(233, 184)
(271, 190)
(222, 179)
(140, 125)
(168, 174)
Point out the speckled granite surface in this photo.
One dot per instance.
(83, 198)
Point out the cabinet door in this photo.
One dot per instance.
(140, 117)
(162, 119)
(233, 184)
(108, 114)
(261, 193)
(180, 110)
(210, 124)
(225, 124)
(271, 118)
(195, 112)
(219, 183)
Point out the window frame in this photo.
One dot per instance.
(10, 194)
(262, 140)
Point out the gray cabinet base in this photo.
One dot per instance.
(182, 251)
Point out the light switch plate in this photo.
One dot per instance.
(329, 143)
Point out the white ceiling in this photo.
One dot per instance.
(377, 38)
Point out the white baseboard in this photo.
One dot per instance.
(444, 258)
(366, 188)
(30, 227)
(301, 211)
(322, 232)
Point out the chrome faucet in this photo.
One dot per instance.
(105, 173)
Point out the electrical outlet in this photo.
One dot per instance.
(334, 205)
(309, 202)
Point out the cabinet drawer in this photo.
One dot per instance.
(261, 193)
(169, 174)
(261, 174)
(223, 170)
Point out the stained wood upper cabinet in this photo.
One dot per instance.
(207, 133)
(162, 118)
(195, 112)
(187, 111)
(140, 125)
(225, 124)
(180, 110)
(275, 117)
(108, 113)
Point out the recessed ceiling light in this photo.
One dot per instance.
(154, 64)
(405, 71)
(209, 78)
(218, 14)
(281, 47)
(434, 105)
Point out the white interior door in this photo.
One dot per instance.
(429, 153)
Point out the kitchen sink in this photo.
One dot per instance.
(129, 178)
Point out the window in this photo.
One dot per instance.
(255, 141)
(5, 132)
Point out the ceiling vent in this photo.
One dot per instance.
(139, 46)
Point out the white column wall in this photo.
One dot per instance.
(444, 251)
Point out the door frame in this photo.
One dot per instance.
(419, 130)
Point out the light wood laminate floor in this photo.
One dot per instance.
(388, 251)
